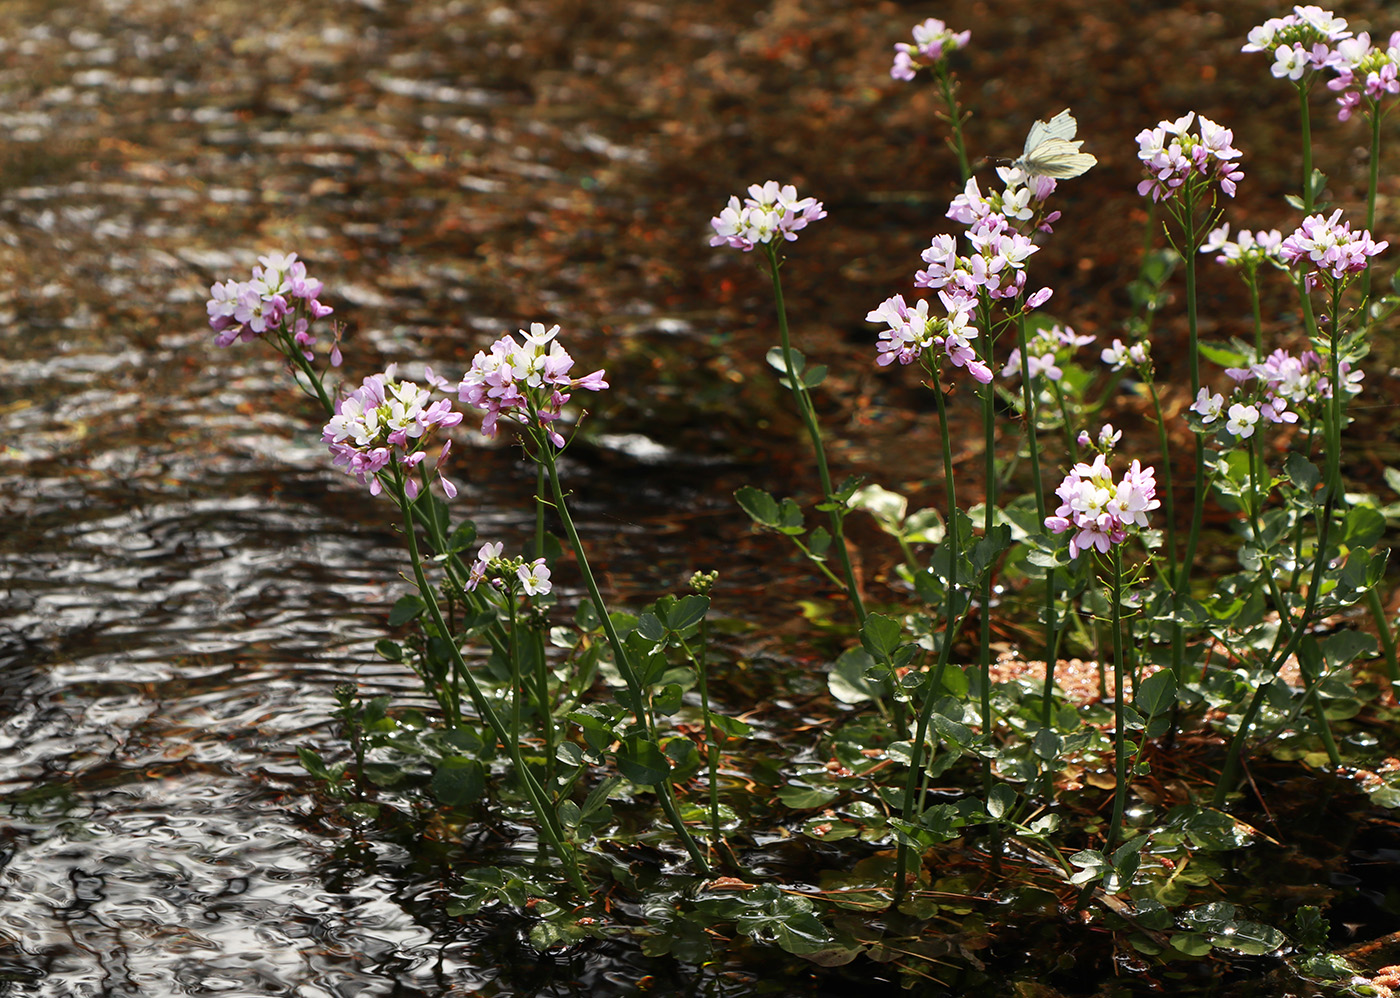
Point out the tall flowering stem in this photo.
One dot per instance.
(933, 41)
(664, 792)
(1102, 514)
(1120, 695)
(1184, 170)
(771, 214)
(802, 397)
(545, 813)
(528, 382)
(955, 617)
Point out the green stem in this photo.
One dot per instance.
(950, 101)
(1305, 115)
(624, 664)
(807, 411)
(1375, 174)
(1120, 693)
(544, 813)
(954, 618)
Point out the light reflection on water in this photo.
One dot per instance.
(183, 579)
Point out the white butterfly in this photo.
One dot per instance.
(1052, 150)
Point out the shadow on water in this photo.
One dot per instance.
(184, 577)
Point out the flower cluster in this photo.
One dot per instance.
(1045, 351)
(1364, 72)
(932, 41)
(1021, 201)
(995, 265)
(382, 418)
(532, 576)
(1119, 355)
(1269, 391)
(1174, 156)
(912, 331)
(770, 211)
(1300, 42)
(1327, 245)
(527, 382)
(1247, 250)
(279, 292)
(1099, 510)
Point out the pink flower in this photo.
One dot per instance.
(769, 212)
(525, 382)
(932, 41)
(1100, 511)
(382, 418)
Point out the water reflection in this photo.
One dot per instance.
(185, 579)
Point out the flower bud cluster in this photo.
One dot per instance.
(1173, 156)
(279, 292)
(769, 212)
(912, 331)
(932, 41)
(1119, 355)
(1046, 350)
(1364, 72)
(1327, 245)
(1099, 510)
(527, 382)
(504, 573)
(384, 418)
(1247, 250)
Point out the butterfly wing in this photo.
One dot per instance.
(1057, 158)
(1062, 126)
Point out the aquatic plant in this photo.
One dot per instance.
(580, 722)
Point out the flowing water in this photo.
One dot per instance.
(184, 578)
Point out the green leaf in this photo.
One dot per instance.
(406, 609)
(668, 701)
(886, 507)
(818, 543)
(570, 814)
(313, 763)
(806, 798)
(1000, 800)
(775, 360)
(1302, 472)
(462, 538)
(1156, 694)
(847, 681)
(642, 762)
(388, 650)
(650, 628)
(1340, 648)
(1364, 527)
(458, 782)
(731, 726)
(1222, 354)
(881, 635)
(688, 611)
(597, 798)
(760, 506)
(814, 376)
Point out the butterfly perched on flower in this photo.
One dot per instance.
(1053, 151)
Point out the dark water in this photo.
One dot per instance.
(185, 579)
